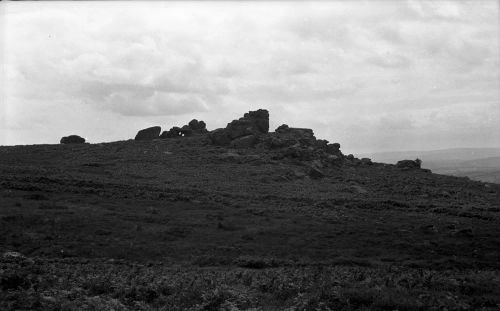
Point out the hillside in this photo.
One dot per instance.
(183, 223)
(481, 164)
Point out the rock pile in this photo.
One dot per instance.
(72, 139)
(244, 132)
(149, 133)
(194, 127)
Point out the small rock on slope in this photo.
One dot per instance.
(72, 139)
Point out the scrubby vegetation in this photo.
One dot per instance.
(118, 285)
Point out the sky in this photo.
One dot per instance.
(370, 75)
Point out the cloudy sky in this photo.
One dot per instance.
(371, 75)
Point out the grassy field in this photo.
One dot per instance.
(179, 224)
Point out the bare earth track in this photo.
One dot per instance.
(180, 224)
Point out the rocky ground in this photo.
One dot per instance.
(183, 224)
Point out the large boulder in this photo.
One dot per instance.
(296, 132)
(197, 126)
(260, 118)
(72, 139)
(148, 133)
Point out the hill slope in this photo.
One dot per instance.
(181, 224)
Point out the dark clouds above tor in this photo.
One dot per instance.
(372, 75)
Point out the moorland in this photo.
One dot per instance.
(183, 223)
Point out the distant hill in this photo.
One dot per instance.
(476, 163)
(493, 162)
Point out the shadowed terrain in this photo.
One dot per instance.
(182, 224)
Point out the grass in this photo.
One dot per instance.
(126, 226)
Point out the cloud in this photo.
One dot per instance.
(157, 104)
(390, 61)
(362, 73)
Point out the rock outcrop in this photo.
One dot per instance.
(252, 131)
(72, 139)
(149, 133)
(244, 132)
(192, 128)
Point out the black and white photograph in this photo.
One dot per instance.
(250, 155)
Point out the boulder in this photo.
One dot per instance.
(260, 118)
(296, 132)
(333, 148)
(219, 137)
(283, 128)
(197, 126)
(72, 139)
(148, 133)
(321, 144)
(13, 255)
(285, 136)
(409, 164)
(239, 128)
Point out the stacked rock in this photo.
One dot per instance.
(244, 132)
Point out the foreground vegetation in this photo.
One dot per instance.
(107, 285)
